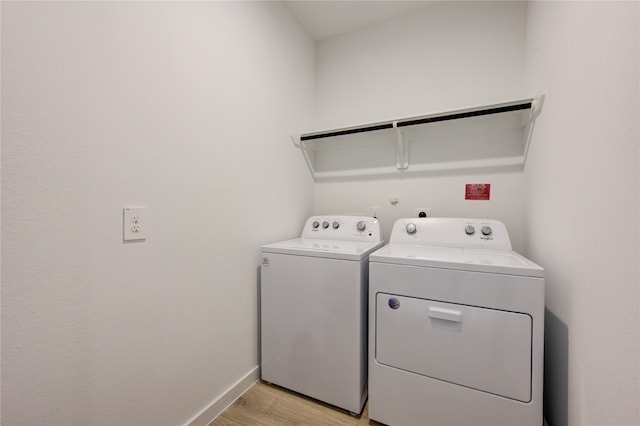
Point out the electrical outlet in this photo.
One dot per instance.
(422, 211)
(134, 223)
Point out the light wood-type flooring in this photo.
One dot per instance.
(270, 405)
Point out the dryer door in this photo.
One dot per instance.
(484, 349)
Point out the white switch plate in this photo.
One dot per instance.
(134, 223)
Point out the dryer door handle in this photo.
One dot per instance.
(445, 314)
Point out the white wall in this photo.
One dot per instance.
(582, 216)
(448, 55)
(184, 107)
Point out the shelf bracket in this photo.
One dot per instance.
(536, 108)
(297, 141)
(402, 150)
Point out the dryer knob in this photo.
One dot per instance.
(336, 225)
(315, 224)
(486, 230)
(325, 224)
(411, 228)
(361, 226)
(470, 230)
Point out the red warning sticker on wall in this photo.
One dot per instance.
(477, 191)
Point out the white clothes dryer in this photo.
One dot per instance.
(314, 292)
(456, 323)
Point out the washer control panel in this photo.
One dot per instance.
(361, 228)
(452, 232)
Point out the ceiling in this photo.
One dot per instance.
(329, 18)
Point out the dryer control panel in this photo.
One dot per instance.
(353, 228)
(452, 232)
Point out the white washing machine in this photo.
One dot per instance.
(314, 292)
(456, 323)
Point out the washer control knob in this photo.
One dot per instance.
(336, 225)
(315, 224)
(470, 230)
(411, 228)
(486, 230)
(325, 224)
(361, 226)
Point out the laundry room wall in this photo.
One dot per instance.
(182, 107)
(582, 195)
(445, 56)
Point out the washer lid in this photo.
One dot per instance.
(332, 249)
(475, 260)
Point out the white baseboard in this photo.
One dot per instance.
(219, 404)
